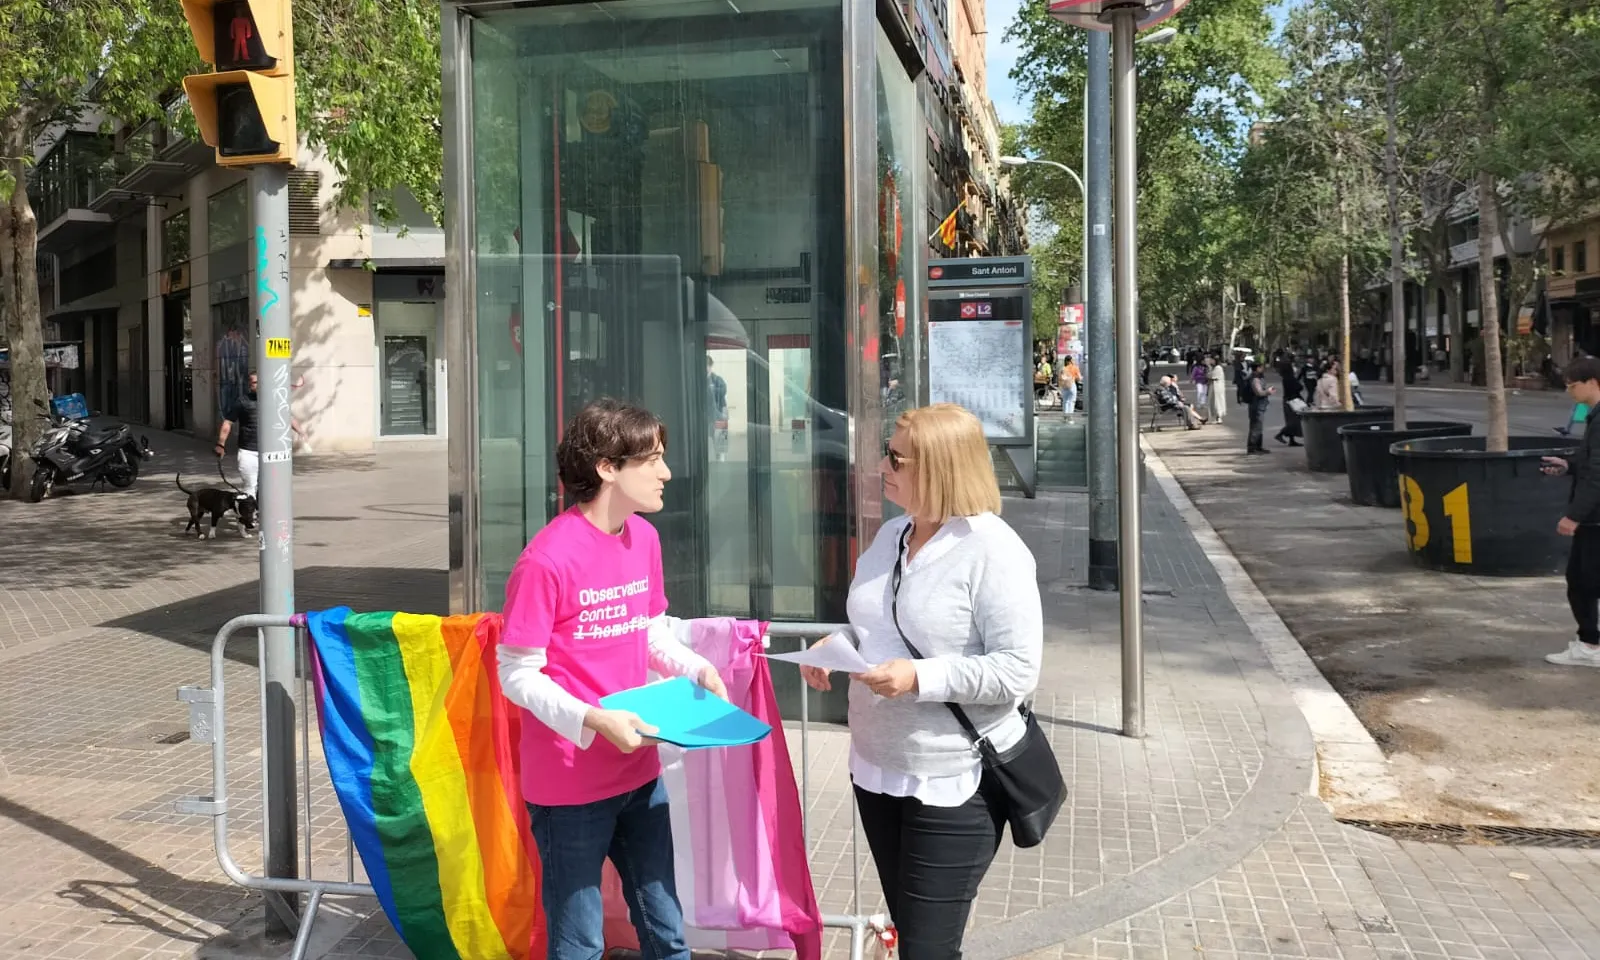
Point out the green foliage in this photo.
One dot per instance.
(1197, 95)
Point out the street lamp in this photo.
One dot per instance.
(1124, 18)
(1024, 161)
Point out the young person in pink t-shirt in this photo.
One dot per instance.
(585, 617)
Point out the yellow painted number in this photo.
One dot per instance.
(1455, 507)
(1416, 520)
(1456, 510)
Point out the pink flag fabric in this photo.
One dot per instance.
(742, 873)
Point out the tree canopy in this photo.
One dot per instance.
(368, 95)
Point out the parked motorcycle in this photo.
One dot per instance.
(96, 449)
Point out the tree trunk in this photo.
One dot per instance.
(1494, 370)
(1397, 247)
(1345, 399)
(19, 236)
(1455, 307)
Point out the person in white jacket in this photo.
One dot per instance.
(1216, 375)
(963, 588)
(1327, 395)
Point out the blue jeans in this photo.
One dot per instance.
(634, 829)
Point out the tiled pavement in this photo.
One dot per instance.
(1197, 841)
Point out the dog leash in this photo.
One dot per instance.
(225, 479)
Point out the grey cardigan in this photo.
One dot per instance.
(969, 601)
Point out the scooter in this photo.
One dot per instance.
(96, 449)
(5, 451)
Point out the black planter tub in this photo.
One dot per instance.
(1324, 449)
(1374, 481)
(1490, 514)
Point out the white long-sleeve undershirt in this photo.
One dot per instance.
(524, 682)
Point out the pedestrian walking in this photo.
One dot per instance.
(1069, 377)
(1200, 376)
(1293, 403)
(245, 412)
(1260, 397)
(1581, 521)
(1216, 377)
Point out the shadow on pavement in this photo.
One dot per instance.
(194, 622)
(157, 900)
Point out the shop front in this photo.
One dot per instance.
(708, 208)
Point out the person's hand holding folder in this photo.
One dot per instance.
(622, 727)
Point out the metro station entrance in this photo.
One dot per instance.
(655, 211)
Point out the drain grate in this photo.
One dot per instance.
(146, 736)
(1483, 835)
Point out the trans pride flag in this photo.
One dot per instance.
(421, 747)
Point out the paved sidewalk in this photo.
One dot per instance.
(1446, 671)
(1200, 840)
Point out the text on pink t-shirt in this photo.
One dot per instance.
(586, 598)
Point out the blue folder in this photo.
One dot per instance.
(688, 715)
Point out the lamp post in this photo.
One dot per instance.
(1124, 18)
(1024, 161)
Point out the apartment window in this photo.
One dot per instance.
(228, 217)
(175, 239)
(1580, 257)
(1558, 259)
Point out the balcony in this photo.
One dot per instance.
(62, 187)
(148, 165)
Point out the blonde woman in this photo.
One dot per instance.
(946, 603)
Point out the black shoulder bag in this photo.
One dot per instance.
(1027, 773)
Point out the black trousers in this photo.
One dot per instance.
(930, 862)
(1583, 583)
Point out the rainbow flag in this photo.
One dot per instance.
(421, 747)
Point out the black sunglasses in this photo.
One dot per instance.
(895, 459)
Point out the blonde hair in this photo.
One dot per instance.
(951, 473)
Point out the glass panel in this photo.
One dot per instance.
(230, 335)
(901, 139)
(175, 239)
(659, 217)
(406, 365)
(228, 217)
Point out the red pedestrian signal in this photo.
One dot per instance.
(245, 109)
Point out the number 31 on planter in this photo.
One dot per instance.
(1455, 510)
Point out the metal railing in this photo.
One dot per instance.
(208, 724)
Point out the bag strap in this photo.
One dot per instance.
(894, 611)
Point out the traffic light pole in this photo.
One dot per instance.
(1101, 385)
(1124, 24)
(274, 345)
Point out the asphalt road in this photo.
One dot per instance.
(1529, 412)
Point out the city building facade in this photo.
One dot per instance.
(146, 267)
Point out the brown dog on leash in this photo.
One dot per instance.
(217, 501)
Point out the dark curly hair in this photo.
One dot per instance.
(604, 430)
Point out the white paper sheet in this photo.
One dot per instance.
(836, 654)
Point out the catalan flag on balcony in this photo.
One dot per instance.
(947, 229)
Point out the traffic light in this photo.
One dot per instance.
(245, 109)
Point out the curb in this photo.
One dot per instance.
(1348, 759)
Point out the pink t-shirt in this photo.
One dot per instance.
(587, 598)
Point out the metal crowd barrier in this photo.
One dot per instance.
(208, 724)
